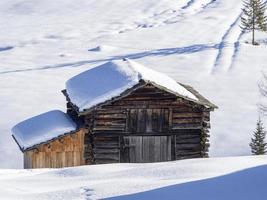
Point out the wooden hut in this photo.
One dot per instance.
(124, 112)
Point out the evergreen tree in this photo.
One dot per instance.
(254, 17)
(257, 144)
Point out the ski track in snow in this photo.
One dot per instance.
(236, 50)
(168, 16)
(224, 44)
(189, 3)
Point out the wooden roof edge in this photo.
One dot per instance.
(21, 149)
(47, 141)
(202, 100)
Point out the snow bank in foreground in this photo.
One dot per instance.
(186, 179)
(246, 184)
(109, 80)
(42, 128)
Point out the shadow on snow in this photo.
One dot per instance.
(246, 185)
(158, 52)
(6, 48)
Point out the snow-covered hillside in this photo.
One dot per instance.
(208, 179)
(197, 42)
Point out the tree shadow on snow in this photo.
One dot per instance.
(158, 52)
(170, 51)
(246, 184)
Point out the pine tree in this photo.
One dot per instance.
(254, 17)
(257, 144)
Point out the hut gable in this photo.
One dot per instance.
(114, 79)
(42, 128)
(148, 124)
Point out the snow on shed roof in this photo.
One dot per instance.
(42, 128)
(109, 80)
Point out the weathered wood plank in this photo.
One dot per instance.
(105, 161)
(109, 128)
(188, 147)
(110, 116)
(61, 152)
(186, 126)
(187, 120)
(112, 156)
(187, 114)
(141, 120)
(189, 156)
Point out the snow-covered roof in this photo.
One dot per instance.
(42, 128)
(109, 80)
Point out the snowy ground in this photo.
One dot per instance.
(208, 179)
(197, 42)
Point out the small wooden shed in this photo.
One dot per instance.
(123, 112)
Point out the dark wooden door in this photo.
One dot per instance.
(147, 120)
(143, 149)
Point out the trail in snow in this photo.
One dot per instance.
(210, 3)
(228, 47)
(156, 52)
(86, 193)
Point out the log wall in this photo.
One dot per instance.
(66, 151)
(148, 111)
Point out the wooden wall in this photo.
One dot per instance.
(148, 111)
(106, 149)
(66, 151)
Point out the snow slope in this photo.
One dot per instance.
(229, 178)
(197, 42)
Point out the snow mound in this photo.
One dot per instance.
(42, 128)
(102, 48)
(231, 178)
(109, 80)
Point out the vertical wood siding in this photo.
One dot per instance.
(66, 151)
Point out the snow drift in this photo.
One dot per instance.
(205, 179)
